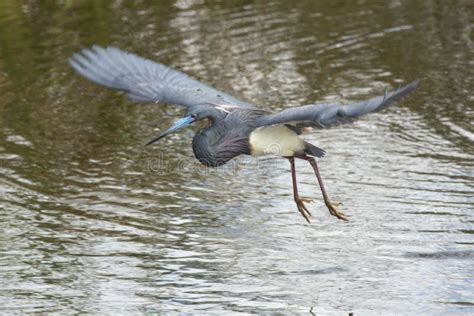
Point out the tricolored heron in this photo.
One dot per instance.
(234, 127)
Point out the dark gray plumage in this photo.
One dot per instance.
(145, 80)
(329, 114)
(235, 127)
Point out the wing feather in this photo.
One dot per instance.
(325, 115)
(147, 81)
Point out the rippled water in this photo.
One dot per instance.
(92, 221)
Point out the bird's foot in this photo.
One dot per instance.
(306, 199)
(303, 210)
(332, 207)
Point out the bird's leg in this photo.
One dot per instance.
(331, 206)
(299, 202)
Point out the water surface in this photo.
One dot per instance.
(91, 221)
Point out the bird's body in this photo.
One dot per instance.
(237, 132)
(234, 127)
(218, 143)
(276, 140)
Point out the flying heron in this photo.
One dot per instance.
(234, 127)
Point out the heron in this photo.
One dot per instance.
(232, 127)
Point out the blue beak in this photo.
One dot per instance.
(185, 121)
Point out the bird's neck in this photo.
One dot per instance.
(215, 122)
(206, 140)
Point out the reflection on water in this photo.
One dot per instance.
(91, 221)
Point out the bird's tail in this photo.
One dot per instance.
(314, 151)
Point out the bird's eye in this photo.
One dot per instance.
(194, 116)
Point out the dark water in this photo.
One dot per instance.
(92, 221)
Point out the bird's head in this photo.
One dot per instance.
(197, 113)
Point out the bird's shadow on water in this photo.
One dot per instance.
(328, 270)
(440, 255)
(312, 312)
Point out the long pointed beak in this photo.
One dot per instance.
(185, 121)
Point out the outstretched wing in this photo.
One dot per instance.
(147, 81)
(325, 115)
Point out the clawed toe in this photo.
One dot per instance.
(306, 199)
(303, 210)
(332, 207)
(334, 212)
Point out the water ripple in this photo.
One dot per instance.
(93, 222)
